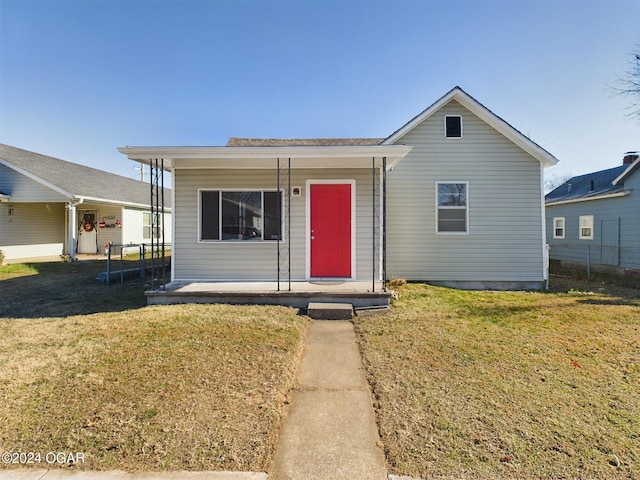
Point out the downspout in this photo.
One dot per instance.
(73, 220)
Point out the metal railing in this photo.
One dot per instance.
(143, 249)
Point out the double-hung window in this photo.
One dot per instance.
(558, 227)
(240, 215)
(586, 227)
(452, 207)
(147, 226)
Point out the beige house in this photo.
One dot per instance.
(51, 207)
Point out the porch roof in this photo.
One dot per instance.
(265, 157)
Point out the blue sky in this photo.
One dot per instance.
(79, 78)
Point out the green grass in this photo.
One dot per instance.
(475, 385)
(16, 271)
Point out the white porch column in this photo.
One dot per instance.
(73, 229)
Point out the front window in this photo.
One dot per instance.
(452, 207)
(586, 227)
(240, 215)
(558, 227)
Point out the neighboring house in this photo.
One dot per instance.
(594, 219)
(51, 207)
(454, 197)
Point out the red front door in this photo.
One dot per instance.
(330, 223)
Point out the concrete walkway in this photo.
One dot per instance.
(330, 431)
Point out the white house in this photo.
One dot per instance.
(51, 207)
(453, 197)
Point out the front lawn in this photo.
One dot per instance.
(509, 385)
(181, 387)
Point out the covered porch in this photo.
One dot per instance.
(247, 223)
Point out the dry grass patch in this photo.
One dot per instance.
(194, 387)
(475, 385)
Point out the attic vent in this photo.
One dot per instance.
(453, 126)
(592, 186)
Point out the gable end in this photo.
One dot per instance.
(482, 112)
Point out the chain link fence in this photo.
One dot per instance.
(606, 258)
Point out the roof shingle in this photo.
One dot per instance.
(300, 142)
(79, 180)
(588, 185)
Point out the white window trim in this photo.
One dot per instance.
(240, 189)
(590, 219)
(564, 227)
(461, 127)
(460, 208)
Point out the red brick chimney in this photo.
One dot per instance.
(629, 158)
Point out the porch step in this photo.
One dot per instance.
(330, 311)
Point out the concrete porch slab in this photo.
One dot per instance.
(358, 294)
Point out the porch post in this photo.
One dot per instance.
(73, 227)
(154, 211)
(289, 217)
(373, 224)
(73, 218)
(279, 218)
(384, 224)
(164, 261)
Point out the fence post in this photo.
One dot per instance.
(143, 262)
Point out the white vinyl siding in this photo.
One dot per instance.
(505, 240)
(558, 227)
(232, 260)
(586, 227)
(136, 227)
(33, 229)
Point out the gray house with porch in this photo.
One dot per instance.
(453, 197)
